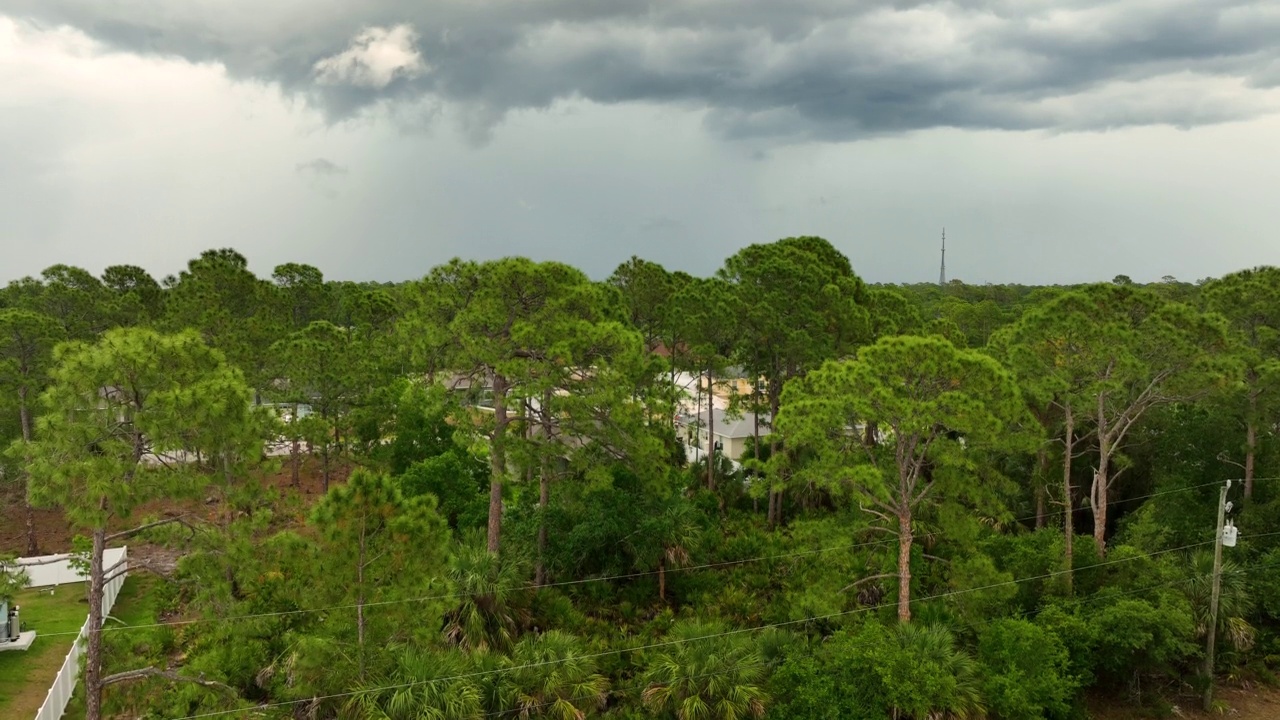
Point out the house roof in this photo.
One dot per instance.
(737, 426)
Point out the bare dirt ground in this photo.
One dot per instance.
(1252, 703)
(54, 533)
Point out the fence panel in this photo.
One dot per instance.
(64, 686)
(47, 570)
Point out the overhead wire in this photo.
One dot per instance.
(679, 641)
(583, 581)
(1097, 597)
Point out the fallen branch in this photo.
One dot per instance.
(182, 519)
(867, 579)
(150, 672)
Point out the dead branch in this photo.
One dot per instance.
(181, 519)
(867, 579)
(149, 672)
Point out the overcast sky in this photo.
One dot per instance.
(1057, 140)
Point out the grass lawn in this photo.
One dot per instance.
(28, 674)
(135, 605)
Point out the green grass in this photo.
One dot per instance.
(135, 605)
(28, 674)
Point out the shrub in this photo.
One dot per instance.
(1026, 671)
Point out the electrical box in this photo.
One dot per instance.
(1229, 535)
(10, 628)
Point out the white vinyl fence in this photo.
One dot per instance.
(59, 572)
(49, 570)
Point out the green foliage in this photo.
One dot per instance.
(491, 601)
(424, 685)
(1136, 637)
(134, 395)
(906, 671)
(1026, 671)
(457, 480)
(705, 675)
(523, 396)
(549, 676)
(378, 545)
(12, 578)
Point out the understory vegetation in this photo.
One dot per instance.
(956, 502)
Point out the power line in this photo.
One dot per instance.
(583, 581)
(668, 643)
(461, 594)
(987, 621)
(1189, 488)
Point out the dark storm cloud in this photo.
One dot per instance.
(797, 70)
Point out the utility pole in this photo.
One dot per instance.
(1213, 597)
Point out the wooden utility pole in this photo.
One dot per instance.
(1213, 597)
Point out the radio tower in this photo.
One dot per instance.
(942, 273)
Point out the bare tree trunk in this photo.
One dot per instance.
(1098, 490)
(755, 429)
(324, 455)
(324, 452)
(662, 577)
(711, 434)
(1042, 467)
(1068, 501)
(544, 493)
(775, 496)
(360, 599)
(25, 414)
(1250, 446)
(498, 461)
(904, 565)
(697, 414)
(293, 452)
(93, 649)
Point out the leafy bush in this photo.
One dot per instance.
(1026, 671)
(911, 671)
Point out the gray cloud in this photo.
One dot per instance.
(320, 167)
(797, 71)
(661, 225)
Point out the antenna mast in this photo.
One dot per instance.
(942, 273)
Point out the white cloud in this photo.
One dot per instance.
(375, 57)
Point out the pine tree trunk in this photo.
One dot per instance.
(1098, 491)
(711, 435)
(544, 493)
(1068, 501)
(93, 646)
(360, 600)
(1250, 446)
(498, 462)
(775, 496)
(293, 452)
(25, 415)
(1042, 466)
(324, 455)
(904, 566)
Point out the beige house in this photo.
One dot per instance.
(730, 433)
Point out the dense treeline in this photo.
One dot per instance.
(960, 501)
